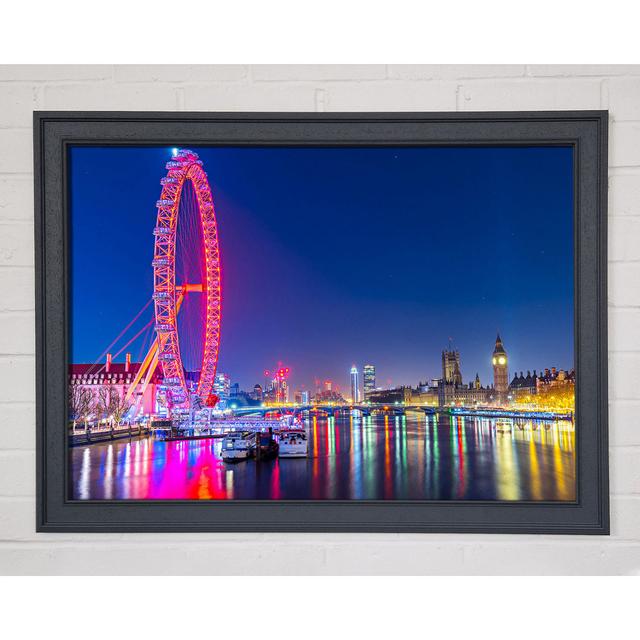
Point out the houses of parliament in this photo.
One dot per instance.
(450, 389)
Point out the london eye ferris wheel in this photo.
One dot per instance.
(186, 224)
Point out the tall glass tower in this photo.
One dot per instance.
(355, 387)
(368, 379)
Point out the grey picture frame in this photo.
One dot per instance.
(584, 131)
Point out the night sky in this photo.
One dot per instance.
(332, 257)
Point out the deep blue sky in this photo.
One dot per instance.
(340, 256)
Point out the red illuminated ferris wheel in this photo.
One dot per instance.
(169, 295)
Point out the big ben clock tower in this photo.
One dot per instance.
(500, 372)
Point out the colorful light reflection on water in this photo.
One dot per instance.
(350, 458)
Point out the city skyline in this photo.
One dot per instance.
(465, 378)
(463, 263)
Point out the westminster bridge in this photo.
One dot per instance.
(367, 409)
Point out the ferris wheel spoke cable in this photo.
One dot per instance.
(146, 327)
(134, 338)
(118, 337)
(147, 341)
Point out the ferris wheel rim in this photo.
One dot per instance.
(185, 166)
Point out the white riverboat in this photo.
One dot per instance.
(293, 443)
(238, 446)
(504, 426)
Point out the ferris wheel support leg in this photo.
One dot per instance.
(152, 368)
(148, 359)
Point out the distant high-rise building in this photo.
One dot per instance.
(368, 379)
(304, 397)
(328, 385)
(451, 373)
(282, 390)
(277, 387)
(222, 386)
(500, 371)
(355, 387)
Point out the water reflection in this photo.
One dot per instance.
(410, 457)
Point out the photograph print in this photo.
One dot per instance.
(321, 323)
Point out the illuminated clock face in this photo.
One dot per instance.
(502, 360)
(495, 361)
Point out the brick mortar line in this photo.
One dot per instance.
(14, 355)
(462, 540)
(615, 171)
(260, 83)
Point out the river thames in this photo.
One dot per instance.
(410, 457)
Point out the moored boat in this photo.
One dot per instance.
(237, 447)
(293, 444)
(503, 426)
(267, 447)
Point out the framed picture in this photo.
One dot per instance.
(321, 322)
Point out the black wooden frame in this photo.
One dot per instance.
(584, 131)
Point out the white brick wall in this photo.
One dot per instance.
(349, 87)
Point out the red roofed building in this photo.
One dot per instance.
(121, 375)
